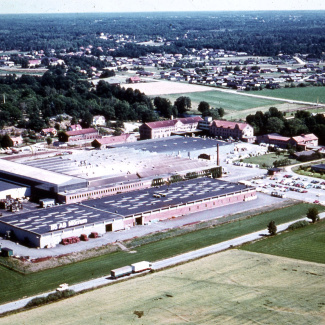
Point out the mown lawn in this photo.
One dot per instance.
(306, 244)
(268, 159)
(307, 94)
(14, 285)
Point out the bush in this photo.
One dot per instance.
(272, 228)
(298, 224)
(38, 301)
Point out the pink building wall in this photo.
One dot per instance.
(201, 205)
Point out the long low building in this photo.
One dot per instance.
(48, 227)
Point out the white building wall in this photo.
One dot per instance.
(16, 193)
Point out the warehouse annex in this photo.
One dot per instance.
(48, 227)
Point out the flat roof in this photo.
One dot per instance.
(142, 201)
(119, 206)
(35, 173)
(109, 166)
(174, 144)
(47, 220)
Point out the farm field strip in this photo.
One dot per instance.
(306, 94)
(225, 99)
(305, 244)
(159, 87)
(232, 287)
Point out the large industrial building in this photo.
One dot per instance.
(48, 227)
(75, 176)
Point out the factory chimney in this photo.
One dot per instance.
(218, 162)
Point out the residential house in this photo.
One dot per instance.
(133, 80)
(74, 127)
(305, 140)
(99, 120)
(49, 132)
(274, 139)
(84, 134)
(16, 141)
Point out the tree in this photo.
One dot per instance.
(274, 124)
(6, 141)
(271, 227)
(63, 137)
(164, 106)
(49, 140)
(313, 214)
(87, 120)
(183, 104)
(221, 111)
(204, 108)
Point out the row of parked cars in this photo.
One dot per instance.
(296, 184)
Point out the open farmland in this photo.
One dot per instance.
(162, 87)
(236, 106)
(307, 94)
(233, 287)
(227, 100)
(307, 244)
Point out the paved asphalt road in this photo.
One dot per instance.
(159, 264)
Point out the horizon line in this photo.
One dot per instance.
(151, 12)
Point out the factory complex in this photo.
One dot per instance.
(103, 190)
(49, 227)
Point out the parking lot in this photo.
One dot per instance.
(291, 185)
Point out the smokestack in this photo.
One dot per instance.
(218, 164)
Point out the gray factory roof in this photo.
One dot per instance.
(141, 201)
(46, 220)
(174, 144)
(121, 205)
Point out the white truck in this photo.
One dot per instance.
(129, 269)
(141, 266)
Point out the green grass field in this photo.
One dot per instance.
(268, 159)
(14, 285)
(307, 94)
(228, 101)
(306, 244)
(233, 287)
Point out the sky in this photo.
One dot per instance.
(81, 6)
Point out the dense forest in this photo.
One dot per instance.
(32, 100)
(257, 33)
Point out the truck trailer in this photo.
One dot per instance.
(122, 271)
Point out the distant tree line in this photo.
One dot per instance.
(30, 101)
(274, 121)
(257, 33)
